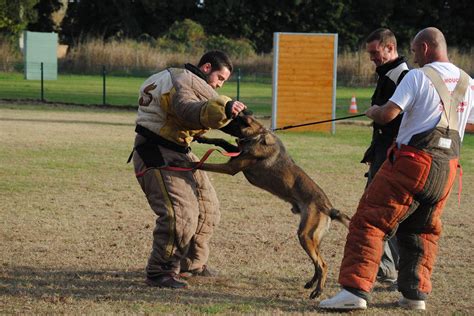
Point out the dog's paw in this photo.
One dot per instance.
(199, 140)
(309, 284)
(316, 292)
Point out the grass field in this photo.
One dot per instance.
(124, 90)
(75, 229)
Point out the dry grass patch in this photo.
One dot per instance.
(75, 229)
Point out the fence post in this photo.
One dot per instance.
(103, 84)
(42, 83)
(238, 84)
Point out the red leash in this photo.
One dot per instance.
(199, 164)
(460, 184)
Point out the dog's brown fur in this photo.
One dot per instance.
(266, 164)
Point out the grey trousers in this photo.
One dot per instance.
(388, 269)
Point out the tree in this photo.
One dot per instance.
(183, 37)
(352, 20)
(156, 17)
(15, 16)
(405, 18)
(45, 10)
(124, 18)
(104, 19)
(258, 20)
(455, 20)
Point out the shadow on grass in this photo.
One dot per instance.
(54, 285)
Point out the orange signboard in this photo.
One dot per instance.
(304, 80)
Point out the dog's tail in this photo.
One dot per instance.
(339, 216)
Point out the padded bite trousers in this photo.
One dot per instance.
(406, 196)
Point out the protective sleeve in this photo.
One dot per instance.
(197, 106)
(215, 112)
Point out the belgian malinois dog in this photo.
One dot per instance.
(266, 164)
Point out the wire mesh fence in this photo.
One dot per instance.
(107, 88)
(111, 88)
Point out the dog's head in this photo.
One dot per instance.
(244, 125)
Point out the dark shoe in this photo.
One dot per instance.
(205, 271)
(172, 281)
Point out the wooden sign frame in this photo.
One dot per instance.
(304, 80)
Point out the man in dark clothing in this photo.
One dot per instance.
(391, 68)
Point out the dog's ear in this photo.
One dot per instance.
(246, 112)
(269, 139)
(245, 116)
(247, 120)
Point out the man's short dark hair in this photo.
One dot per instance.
(217, 59)
(383, 35)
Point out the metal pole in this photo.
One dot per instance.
(103, 84)
(238, 84)
(42, 83)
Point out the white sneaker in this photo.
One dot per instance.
(411, 304)
(344, 300)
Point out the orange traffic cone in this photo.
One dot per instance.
(353, 107)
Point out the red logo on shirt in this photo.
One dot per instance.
(461, 106)
(451, 80)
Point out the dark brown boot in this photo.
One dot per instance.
(171, 280)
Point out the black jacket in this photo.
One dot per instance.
(390, 75)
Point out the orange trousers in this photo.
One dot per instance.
(407, 196)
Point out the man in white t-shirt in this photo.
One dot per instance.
(409, 192)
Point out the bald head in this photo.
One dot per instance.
(429, 45)
(433, 37)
